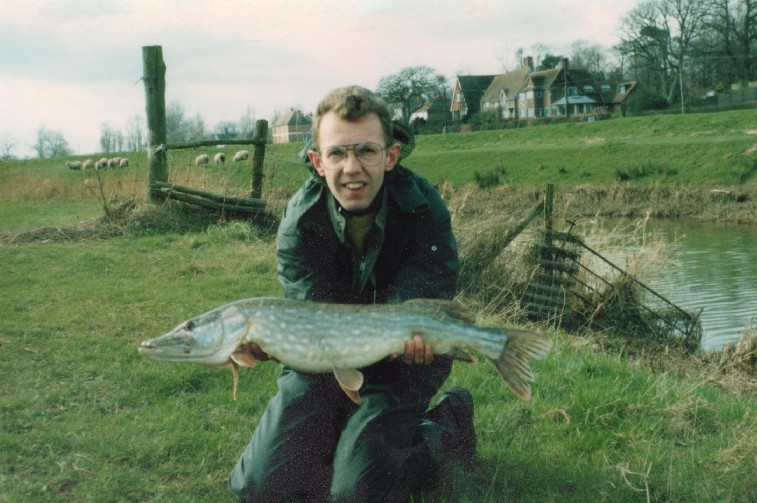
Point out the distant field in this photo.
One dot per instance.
(708, 150)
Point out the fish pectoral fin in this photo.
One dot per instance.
(350, 380)
(244, 359)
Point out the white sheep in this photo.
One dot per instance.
(73, 164)
(242, 155)
(202, 160)
(219, 158)
(113, 163)
(87, 164)
(101, 164)
(123, 163)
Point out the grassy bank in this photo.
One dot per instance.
(84, 418)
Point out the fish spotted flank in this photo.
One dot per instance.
(343, 338)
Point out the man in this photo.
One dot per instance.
(362, 229)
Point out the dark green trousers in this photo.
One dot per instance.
(314, 444)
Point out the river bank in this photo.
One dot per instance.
(736, 205)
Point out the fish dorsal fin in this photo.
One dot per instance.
(444, 308)
(350, 380)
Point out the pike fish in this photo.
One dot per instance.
(318, 337)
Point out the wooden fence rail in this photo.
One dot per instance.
(159, 189)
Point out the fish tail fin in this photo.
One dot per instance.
(512, 364)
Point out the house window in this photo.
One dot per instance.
(539, 93)
(546, 112)
(588, 89)
(529, 95)
(572, 91)
(539, 112)
(530, 112)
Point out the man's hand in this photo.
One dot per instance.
(416, 352)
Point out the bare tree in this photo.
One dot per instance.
(247, 123)
(659, 36)
(410, 88)
(734, 24)
(107, 138)
(538, 52)
(135, 134)
(590, 57)
(7, 144)
(646, 46)
(49, 143)
(177, 130)
(196, 128)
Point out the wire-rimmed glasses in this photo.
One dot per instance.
(368, 154)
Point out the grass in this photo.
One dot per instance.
(696, 150)
(84, 418)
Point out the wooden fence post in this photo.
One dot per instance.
(154, 76)
(259, 139)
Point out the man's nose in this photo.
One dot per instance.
(351, 162)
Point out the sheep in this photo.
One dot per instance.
(123, 163)
(202, 160)
(113, 163)
(242, 155)
(101, 164)
(88, 164)
(73, 164)
(219, 158)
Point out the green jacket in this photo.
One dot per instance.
(410, 252)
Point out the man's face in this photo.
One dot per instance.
(352, 183)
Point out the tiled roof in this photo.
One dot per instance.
(292, 118)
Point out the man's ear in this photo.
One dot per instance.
(392, 156)
(315, 160)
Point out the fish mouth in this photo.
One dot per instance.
(177, 350)
(185, 351)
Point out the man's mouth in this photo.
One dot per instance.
(354, 185)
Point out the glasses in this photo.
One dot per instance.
(368, 154)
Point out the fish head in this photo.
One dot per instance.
(209, 339)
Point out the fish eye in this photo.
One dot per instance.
(189, 326)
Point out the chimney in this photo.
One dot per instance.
(528, 62)
(564, 63)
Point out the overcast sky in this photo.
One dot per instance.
(72, 65)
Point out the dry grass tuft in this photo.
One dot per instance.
(133, 218)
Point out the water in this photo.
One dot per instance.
(714, 269)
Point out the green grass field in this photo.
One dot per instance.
(84, 418)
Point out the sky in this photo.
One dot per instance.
(73, 65)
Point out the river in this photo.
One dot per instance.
(712, 267)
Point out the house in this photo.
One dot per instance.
(291, 127)
(466, 98)
(624, 90)
(501, 94)
(525, 93)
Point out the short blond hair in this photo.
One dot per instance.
(352, 103)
